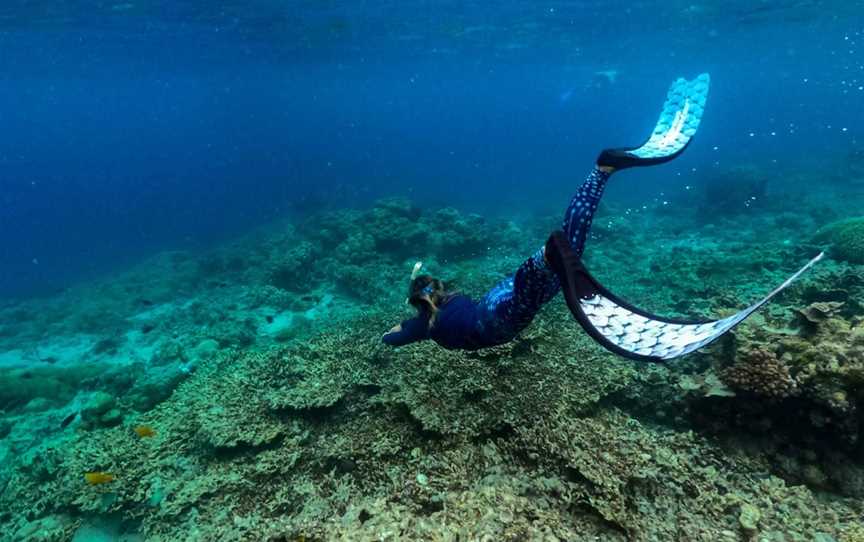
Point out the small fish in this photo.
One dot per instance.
(144, 431)
(67, 420)
(98, 477)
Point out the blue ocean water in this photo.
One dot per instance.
(130, 128)
(209, 214)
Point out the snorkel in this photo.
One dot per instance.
(425, 292)
(414, 272)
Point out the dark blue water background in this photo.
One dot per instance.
(128, 128)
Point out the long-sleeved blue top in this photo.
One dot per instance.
(457, 326)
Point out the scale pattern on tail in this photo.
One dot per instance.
(679, 119)
(642, 334)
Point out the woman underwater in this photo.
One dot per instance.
(454, 321)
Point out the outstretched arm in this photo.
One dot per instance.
(409, 331)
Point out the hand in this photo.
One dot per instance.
(395, 329)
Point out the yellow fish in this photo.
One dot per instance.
(144, 431)
(98, 477)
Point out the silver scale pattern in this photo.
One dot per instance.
(640, 335)
(664, 340)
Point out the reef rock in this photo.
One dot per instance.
(845, 239)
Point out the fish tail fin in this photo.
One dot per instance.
(629, 331)
(679, 120)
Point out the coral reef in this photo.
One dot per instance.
(100, 410)
(337, 438)
(845, 239)
(273, 411)
(762, 373)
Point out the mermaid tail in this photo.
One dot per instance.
(679, 120)
(629, 331)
